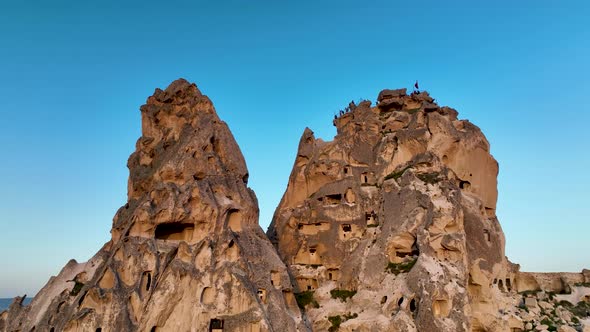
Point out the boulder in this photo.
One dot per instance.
(530, 302)
(545, 305)
(387, 94)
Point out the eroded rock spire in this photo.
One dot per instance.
(186, 253)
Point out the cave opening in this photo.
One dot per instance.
(216, 325)
(332, 199)
(413, 306)
(146, 280)
(486, 234)
(174, 231)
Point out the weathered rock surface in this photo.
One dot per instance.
(389, 227)
(186, 253)
(392, 225)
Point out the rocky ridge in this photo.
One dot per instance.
(389, 227)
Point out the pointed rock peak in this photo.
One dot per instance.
(187, 241)
(307, 136)
(177, 90)
(167, 111)
(183, 140)
(179, 85)
(187, 164)
(306, 142)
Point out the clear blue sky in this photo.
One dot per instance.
(73, 75)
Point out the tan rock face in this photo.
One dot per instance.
(389, 227)
(186, 253)
(399, 208)
(392, 227)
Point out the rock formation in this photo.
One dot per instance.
(186, 252)
(392, 226)
(389, 227)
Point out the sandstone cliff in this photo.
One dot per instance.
(186, 253)
(389, 227)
